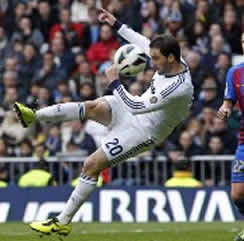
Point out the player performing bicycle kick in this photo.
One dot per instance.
(137, 123)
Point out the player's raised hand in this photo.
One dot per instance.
(112, 74)
(224, 112)
(106, 17)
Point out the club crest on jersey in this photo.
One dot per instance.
(153, 100)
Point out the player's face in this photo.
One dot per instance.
(159, 61)
(242, 42)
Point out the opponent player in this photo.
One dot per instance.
(234, 92)
(137, 123)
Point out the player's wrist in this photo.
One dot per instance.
(117, 25)
(114, 84)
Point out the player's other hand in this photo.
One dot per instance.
(106, 17)
(112, 74)
(224, 112)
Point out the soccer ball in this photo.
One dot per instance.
(130, 60)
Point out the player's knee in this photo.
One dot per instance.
(237, 195)
(91, 168)
(238, 198)
(90, 106)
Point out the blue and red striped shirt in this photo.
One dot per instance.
(234, 91)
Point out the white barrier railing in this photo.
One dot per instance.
(135, 171)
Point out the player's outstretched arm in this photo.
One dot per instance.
(124, 31)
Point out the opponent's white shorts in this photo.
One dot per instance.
(125, 139)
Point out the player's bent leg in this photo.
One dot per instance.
(98, 110)
(94, 164)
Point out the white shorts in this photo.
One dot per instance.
(125, 139)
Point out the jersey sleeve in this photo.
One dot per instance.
(135, 38)
(230, 93)
(143, 104)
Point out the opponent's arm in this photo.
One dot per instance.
(124, 31)
(230, 97)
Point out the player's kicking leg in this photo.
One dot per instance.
(98, 110)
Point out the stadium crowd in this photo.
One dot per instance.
(57, 51)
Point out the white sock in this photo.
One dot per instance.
(81, 193)
(62, 112)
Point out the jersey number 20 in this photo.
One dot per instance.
(114, 147)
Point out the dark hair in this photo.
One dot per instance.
(167, 45)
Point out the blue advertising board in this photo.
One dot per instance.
(125, 204)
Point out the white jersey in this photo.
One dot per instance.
(140, 122)
(165, 103)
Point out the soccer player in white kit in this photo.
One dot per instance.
(137, 123)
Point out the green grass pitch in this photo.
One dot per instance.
(130, 232)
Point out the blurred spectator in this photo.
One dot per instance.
(27, 33)
(73, 32)
(64, 91)
(26, 148)
(208, 96)
(11, 64)
(10, 82)
(216, 146)
(207, 118)
(10, 97)
(194, 61)
(128, 12)
(4, 172)
(221, 68)
(187, 146)
(100, 51)
(29, 65)
(53, 141)
(3, 177)
(36, 178)
(91, 30)
(174, 24)
(214, 172)
(195, 128)
(219, 128)
(46, 19)
(83, 75)
(49, 75)
(182, 175)
(12, 128)
(78, 135)
(217, 46)
(31, 99)
(232, 31)
(198, 37)
(150, 12)
(15, 13)
(44, 97)
(87, 92)
(63, 56)
(80, 9)
(4, 48)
